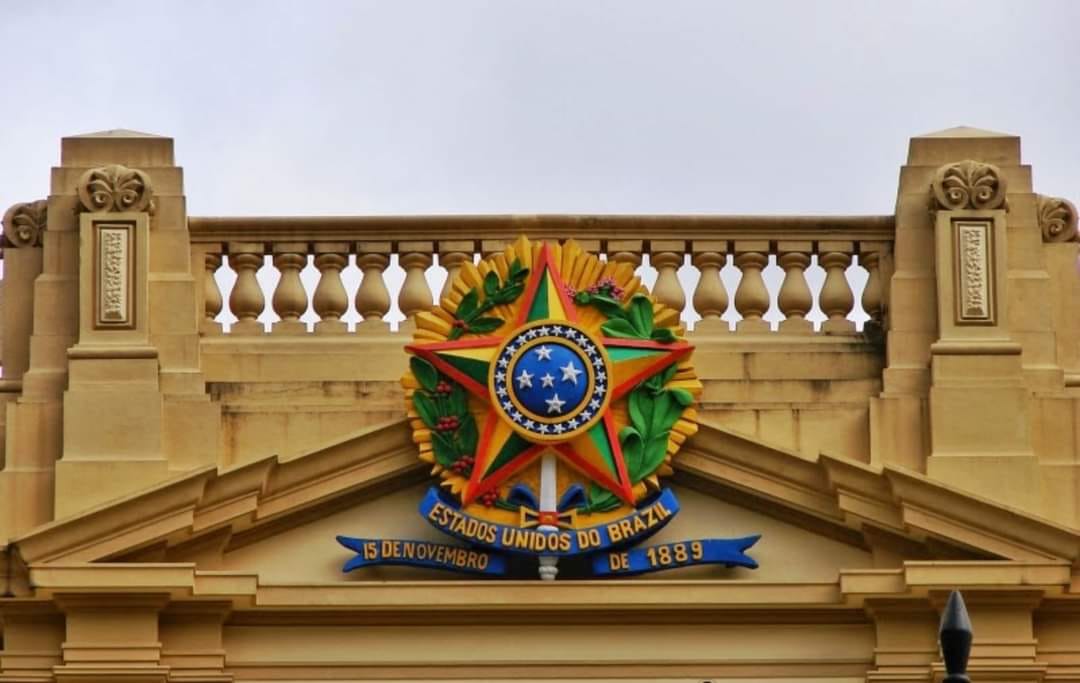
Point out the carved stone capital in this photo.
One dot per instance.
(24, 224)
(116, 188)
(1057, 219)
(968, 185)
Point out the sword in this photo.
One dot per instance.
(549, 493)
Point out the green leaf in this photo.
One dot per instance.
(640, 405)
(425, 373)
(457, 403)
(620, 328)
(484, 325)
(467, 436)
(669, 374)
(633, 448)
(602, 500)
(640, 315)
(583, 298)
(517, 273)
(443, 448)
(608, 306)
(655, 452)
(683, 397)
(468, 304)
(425, 408)
(509, 293)
(661, 410)
(504, 504)
(664, 335)
(491, 284)
(455, 332)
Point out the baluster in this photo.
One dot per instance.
(452, 255)
(372, 299)
(489, 248)
(752, 297)
(666, 256)
(836, 297)
(872, 296)
(331, 301)
(625, 251)
(795, 299)
(290, 299)
(212, 301)
(710, 296)
(246, 300)
(415, 296)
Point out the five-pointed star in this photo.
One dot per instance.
(570, 373)
(543, 353)
(502, 449)
(524, 379)
(554, 404)
(548, 380)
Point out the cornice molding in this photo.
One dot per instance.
(264, 497)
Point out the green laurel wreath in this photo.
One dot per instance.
(443, 407)
(469, 316)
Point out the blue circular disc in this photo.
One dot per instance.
(550, 380)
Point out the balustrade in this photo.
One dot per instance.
(761, 278)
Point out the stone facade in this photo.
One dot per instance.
(170, 489)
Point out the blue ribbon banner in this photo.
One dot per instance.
(383, 551)
(726, 551)
(637, 526)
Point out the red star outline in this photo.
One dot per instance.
(478, 483)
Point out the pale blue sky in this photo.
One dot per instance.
(430, 107)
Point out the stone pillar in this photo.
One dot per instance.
(135, 397)
(968, 357)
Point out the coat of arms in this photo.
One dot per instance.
(549, 393)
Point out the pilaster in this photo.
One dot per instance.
(135, 408)
(33, 634)
(192, 642)
(111, 638)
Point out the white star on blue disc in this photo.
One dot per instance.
(554, 404)
(543, 353)
(570, 373)
(524, 379)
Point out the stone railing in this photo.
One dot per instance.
(798, 274)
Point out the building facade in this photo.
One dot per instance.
(173, 488)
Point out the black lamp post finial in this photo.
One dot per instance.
(955, 636)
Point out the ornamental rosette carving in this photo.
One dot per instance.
(24, 224)
(116, 188)
(968, 185)
(1057, 219)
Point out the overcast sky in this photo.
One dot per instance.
(608, 107)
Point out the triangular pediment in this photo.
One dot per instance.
(247, 518)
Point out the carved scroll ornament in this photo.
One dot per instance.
(24, 224)
(1057, 219)
(116, 188)
(968, 185)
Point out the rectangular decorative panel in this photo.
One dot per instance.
(114, 305)
(974, 253)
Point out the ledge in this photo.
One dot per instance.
(217, 229)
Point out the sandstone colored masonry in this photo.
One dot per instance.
(899, 417)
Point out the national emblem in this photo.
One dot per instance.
(549, 393)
